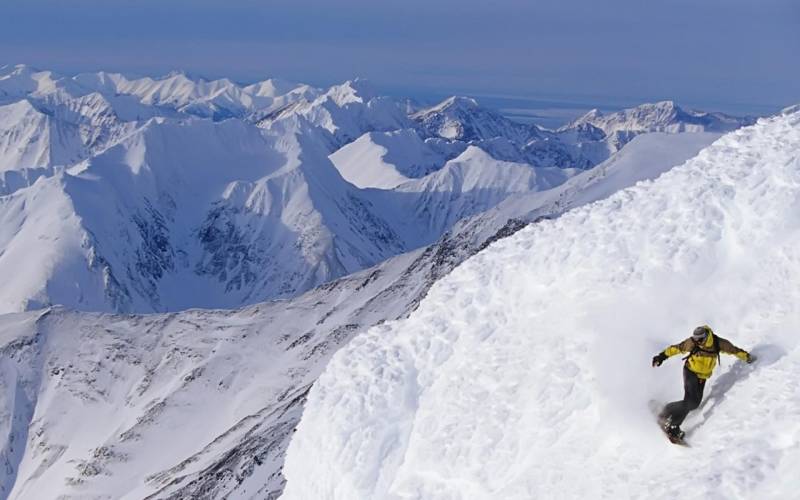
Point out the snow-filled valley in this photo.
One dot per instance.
(525, 373)
(302, 249)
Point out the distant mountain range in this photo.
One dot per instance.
(161, 194)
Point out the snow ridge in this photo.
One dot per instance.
(663, 116)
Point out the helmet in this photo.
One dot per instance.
(700, 333)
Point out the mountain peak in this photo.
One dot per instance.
(17, 70)
(668, 104)
(660, 116)
(356, 90)
(462, 118)
(456, 103)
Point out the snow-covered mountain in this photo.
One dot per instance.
(185, 215)
(49, 132)
(203, 404)
(385, 160)
(525, 373)
(346, 111)
(170, 94)
(181, 192)
(584, 143)
(463, 119)
(664, 116)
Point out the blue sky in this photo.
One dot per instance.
(734, 55)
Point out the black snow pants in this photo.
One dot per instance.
(692, 395)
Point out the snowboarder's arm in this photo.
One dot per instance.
(682, 347)
(728, 348)
(672, 350)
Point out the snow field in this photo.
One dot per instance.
(526, 372)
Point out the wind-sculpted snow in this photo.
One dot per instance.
(525, 373)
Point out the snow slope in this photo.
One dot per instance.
(224, 388)
(467, 185)
(385, 160)
(45, 134)
(525, 373)
(646, 157)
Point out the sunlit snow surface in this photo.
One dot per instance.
(88, 402)
(526, 372)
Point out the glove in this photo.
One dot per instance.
(750, 358)
(659, 358)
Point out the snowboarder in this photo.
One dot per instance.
(703, 347)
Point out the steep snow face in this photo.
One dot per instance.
(469, 184)
(646, 157)
(41, 237)
(385, 160)
(664, 116)
(24, 137)
(526, 372)
(60, 130)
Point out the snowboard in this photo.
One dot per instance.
(674, 439)
(656, 408)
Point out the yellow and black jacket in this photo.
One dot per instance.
(703, 356)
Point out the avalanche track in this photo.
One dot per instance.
(526, 372)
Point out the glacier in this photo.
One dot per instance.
(525, 373)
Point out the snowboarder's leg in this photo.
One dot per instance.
(674, 413)
(693, 390)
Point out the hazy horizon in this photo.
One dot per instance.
(723, 55)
